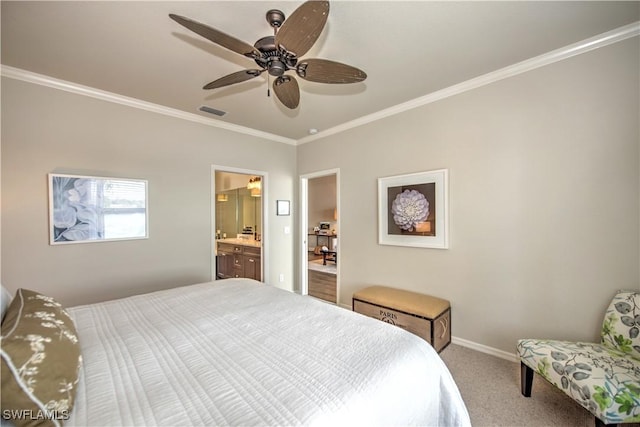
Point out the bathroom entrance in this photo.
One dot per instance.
(238, 224)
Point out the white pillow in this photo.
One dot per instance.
(5, 300)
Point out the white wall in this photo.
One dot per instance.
(544, 198)
(45, 130)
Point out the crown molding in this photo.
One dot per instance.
(43, 80)
(587, 45)
(601, 40)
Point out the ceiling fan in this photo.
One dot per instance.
(281, 52)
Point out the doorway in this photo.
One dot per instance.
(239, 223)
(320, 231)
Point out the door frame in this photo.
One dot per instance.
(264, 264)
(304, 227)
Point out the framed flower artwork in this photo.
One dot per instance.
(413, 210)
(85, 209)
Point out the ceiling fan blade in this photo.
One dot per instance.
(325, 71)
(301, 30)
(287, 91)
(217, 37)
(233, 78)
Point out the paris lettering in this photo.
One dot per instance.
(385, 316)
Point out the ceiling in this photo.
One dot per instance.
(408, 50)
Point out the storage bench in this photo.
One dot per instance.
(423, 315)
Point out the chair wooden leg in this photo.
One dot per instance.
(526, 379)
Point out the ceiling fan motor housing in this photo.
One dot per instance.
(272, 59)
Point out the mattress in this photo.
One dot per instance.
(239, 352)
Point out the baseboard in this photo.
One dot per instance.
(485, 349)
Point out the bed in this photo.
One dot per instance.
(238, 352)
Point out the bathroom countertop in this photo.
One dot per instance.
(242, 242)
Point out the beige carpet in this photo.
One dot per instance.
(490, 387)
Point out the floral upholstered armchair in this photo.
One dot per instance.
(604, 378)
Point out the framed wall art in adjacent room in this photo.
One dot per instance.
(85, 209)
(413, 210)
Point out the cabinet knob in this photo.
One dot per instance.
(251, 260)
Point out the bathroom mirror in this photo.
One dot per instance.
(238, 210)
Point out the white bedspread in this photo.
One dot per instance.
(237, 352)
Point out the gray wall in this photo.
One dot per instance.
(46, 130)
(544, 198)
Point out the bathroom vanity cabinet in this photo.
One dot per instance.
(238, 258)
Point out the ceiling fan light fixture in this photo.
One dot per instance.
(277, 68)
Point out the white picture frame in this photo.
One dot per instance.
(413, 210)
(86, 209)
(283, 207)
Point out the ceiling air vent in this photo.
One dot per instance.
(212, 111)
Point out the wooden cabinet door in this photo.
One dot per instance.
(238, 261)
(225, 265)
(252, 267)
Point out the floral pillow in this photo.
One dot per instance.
(40, 361)
(621, 326)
